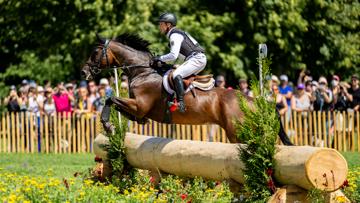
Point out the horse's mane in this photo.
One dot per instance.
(134, 41)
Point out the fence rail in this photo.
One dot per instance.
(62, 133)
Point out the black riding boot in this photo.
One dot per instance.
(179, 88)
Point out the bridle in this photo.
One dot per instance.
(95, 68)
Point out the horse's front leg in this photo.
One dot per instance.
(126, 107)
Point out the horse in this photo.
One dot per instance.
(147, 97)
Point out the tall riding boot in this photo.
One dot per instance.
(179, 88)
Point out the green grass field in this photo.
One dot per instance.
(62, 165)
(65, 165)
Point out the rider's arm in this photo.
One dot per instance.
(175, 43)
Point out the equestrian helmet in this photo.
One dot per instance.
(168, 18)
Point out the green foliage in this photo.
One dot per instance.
(318, 35)
(122, 173)
(316, 196)
(258, 131)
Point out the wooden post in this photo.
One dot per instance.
(87, 133)
(295, 128)
(319, 128)
(326, 131)
(18, 126)
(301, 141)
(311, 132)
(74, 134)
(92, 132)
(358, 129)
(2, 133)
(55, 133)
(78, 134)
(82, 133)
(344, 132)
(46, 126)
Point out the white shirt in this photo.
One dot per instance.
(175, 44)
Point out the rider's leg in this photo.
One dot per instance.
(194, 65)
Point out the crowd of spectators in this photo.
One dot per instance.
(307, 93)
(44, 99)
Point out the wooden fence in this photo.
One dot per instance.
(28, 133)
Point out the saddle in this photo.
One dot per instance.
(202, 82)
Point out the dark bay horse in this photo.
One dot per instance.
(148, 99)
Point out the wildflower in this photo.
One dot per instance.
(152, 179)
(183, 196)
(340, 199)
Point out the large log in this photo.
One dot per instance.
(304, 166)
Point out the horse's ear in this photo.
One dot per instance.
(100, 39)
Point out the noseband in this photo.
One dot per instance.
(95, 68)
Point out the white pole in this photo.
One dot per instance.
(117, 92)
(262, 55)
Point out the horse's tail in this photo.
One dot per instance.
(282, 134)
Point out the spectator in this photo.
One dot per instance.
(244, 87)
(12, 101)
(24, 86)
(220, 81)
(308, 88)
(287, 91)
(99, 103)
(124, 82)
(354, 93)
(93, 95)
(300, 102)
(49, 104)
(83, 104)
(71, 91)
(32, 105)
(281, 104)
(274, 81)
(341, 101)
(322, 96)
(104, 83)
(40, 97)
(304, 76)
(62, 99)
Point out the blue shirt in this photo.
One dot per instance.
(284, 92)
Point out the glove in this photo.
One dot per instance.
(156, 62)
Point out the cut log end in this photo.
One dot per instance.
(326, 169)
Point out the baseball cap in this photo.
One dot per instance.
(284, 78)
(242, 80)
(12, 87)
(104, 81)
(83, 83)
(69, 85)
(355, 77)
(24, 82)
(335, 77)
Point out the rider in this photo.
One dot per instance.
(181, 42)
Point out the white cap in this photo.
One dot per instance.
(104, 81)
(322, 80)
(284, 78)
(274, 78)
(40, 89)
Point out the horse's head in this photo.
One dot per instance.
(124, 51)
(100, 58)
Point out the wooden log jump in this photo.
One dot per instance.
(303, 166)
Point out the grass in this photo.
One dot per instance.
(62, 165)
(353, 159)
(65, 165)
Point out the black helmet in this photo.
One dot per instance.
(168, 18)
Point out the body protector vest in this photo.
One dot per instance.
(189, 45)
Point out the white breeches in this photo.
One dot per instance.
(192, 66)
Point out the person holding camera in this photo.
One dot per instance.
(322, 96)
(12, 101)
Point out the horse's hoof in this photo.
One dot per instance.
(109, 128)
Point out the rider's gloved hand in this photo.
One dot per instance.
(156, 62)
